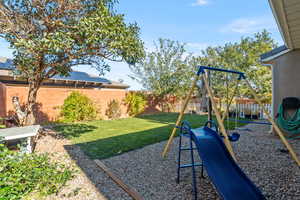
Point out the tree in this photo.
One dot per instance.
(165, 71)
(49, 37)
(136, 102)
(242, 56)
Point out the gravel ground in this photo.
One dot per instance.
(257, 152)
(80, 187)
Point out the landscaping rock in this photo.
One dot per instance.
(258, 154)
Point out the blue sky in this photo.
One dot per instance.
(198, 23)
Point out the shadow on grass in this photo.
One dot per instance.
(170, 118)
(112, 146)
(73, 130)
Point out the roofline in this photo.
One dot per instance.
(112, 84)
(270, 58)
(52, 82)
(281, 21)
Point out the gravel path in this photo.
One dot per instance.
(257, 152)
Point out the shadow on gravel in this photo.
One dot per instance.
(88, 167)
(84, 154)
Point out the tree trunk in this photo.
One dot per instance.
(26, 117)
(31, 102)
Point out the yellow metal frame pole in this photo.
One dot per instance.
(219, 118)
(186, 101)
(275, 126)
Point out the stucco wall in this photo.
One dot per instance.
(50, 99)
(286, 77)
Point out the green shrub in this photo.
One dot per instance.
(78, 107)
(21, 174)
(136, 102)
(113, 110)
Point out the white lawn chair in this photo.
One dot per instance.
(25, 132)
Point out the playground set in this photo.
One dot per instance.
(213, 142)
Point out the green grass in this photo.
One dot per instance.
(103, 139)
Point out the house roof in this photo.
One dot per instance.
(287, 15)
(75, 76)
(274, 53)
(81, 76)
(5, 63)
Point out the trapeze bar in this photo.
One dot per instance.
(202, 68)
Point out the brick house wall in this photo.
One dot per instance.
(50, 99)
(2, 100)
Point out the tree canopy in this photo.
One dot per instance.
(49, 37)
(165, 71)
(168, 69)
(241, 56)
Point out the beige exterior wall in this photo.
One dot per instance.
(286, 77)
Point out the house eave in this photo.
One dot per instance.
(11, 80)
(269, 59)
(279, 14)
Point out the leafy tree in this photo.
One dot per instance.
(242, 56)
(165, 71)
(49, 37)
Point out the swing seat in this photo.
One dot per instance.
(234, 137)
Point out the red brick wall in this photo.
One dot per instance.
(2, 100)
(50, 99)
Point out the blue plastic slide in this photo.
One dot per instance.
(230, 181)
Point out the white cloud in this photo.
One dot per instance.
(250, 25)
(200, 3)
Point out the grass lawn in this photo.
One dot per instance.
(103, 139)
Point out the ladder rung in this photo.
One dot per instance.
(190, 165)
(188, 148)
